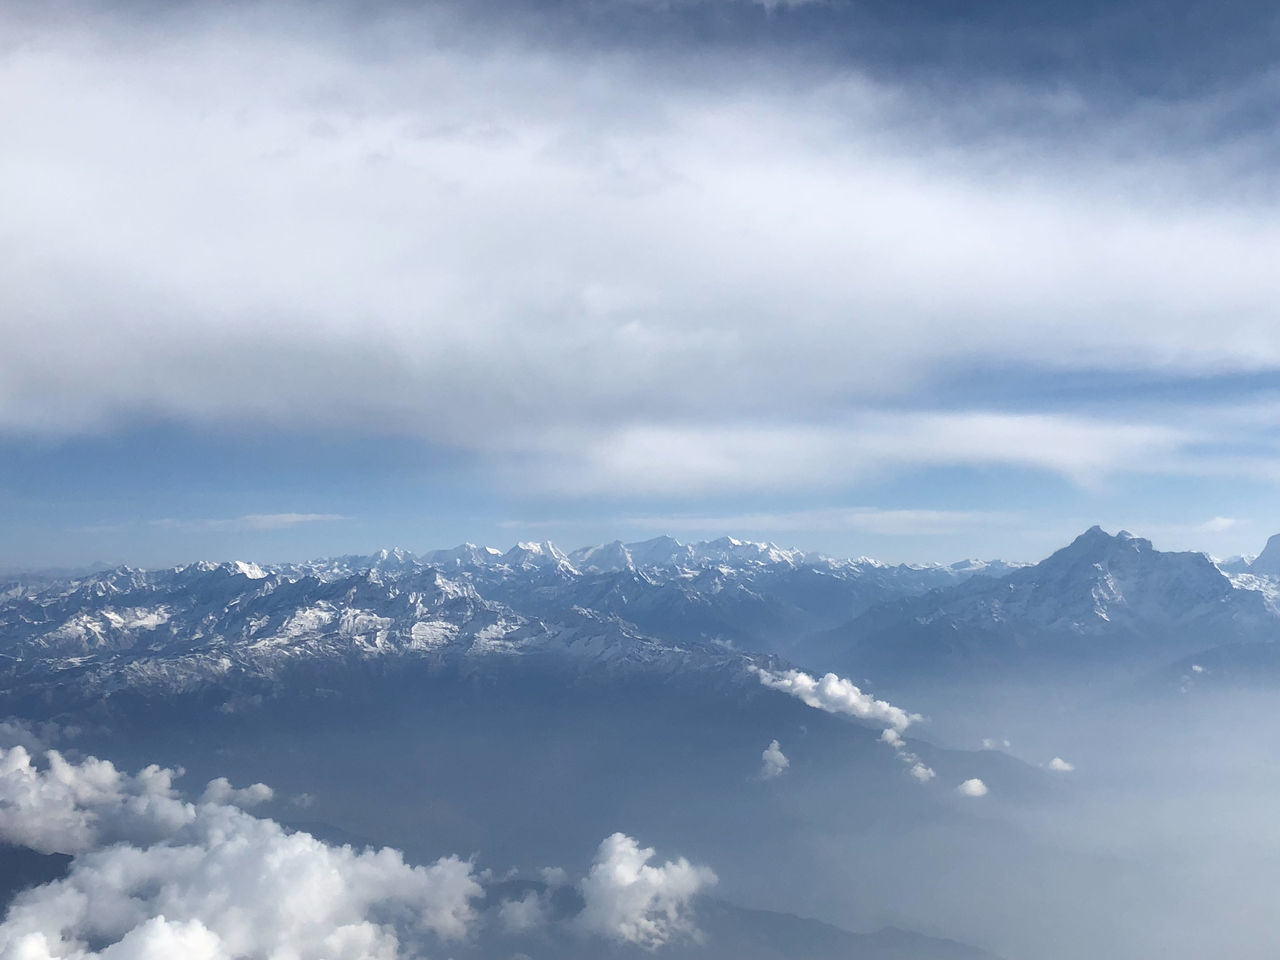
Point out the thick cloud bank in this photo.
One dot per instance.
(630, 901)
(837, 695)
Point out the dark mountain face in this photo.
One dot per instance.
(1267, 563)
(1099, 603)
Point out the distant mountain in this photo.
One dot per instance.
(1267, 563)
(655, 605)
(1103, 600)
(726, 932)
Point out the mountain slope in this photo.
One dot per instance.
(1102, 600)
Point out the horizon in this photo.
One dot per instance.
(418, 553)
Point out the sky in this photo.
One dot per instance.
(915, 281)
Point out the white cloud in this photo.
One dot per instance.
(1061, 766)
(71, 808)
(630, 901)
(774, 761)
(920, 772)
(835, 694)
(221, 791)
(903, 522)
(524, 914)
(252, 521)
(555, 876)
(155, 877)
(972, 788)
(718, 272)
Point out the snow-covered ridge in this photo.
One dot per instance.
(658, 604)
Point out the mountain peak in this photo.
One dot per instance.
(1095, 538)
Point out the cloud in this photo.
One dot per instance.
(527, 913)
(1061, 766)
(630, 901)
(774, 761)
(72, 808)
(687, 459)
(221, 791)
(835, 694)
(251, 521)
(920, 772)
(893, 522)
(765, 279)
(972, 788)
(155, 876)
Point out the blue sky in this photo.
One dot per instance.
(915, 281)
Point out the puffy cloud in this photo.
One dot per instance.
(921, 772)
(528, 912)
(70, 808)
(555, 876)
(207, 880)
(775, 762)
(837, 695)
(972, 788)
(221, 791)
(628, 900)
(1060, 765)
(155, 876)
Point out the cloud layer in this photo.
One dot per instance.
(757, 281)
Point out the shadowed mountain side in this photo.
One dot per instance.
(1100, 604)
(725, 932)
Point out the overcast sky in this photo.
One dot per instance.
(912, 280)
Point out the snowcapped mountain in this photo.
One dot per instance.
(621, 605)
(654, 605)
(1102, 596)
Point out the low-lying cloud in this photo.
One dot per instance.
(205, 880)
(631, 901)
(834, 694)
(156, 876)
(774, 762)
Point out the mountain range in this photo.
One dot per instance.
(655, 605)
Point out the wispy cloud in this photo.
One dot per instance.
(251, 521)
(900, 522)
